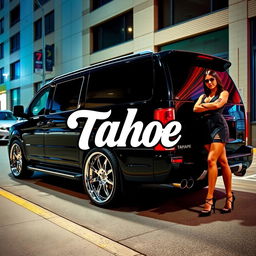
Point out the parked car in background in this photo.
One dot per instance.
(7, 119)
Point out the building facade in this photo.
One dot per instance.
(79, 33)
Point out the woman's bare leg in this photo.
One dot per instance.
(227, 176)
(215, 150)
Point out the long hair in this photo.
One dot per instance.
(218, 79)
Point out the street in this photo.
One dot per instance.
(152, 219)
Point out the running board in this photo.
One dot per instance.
(237, 169)
(59, 173)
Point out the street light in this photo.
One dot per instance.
(43, 42)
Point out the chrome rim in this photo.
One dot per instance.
(16, 159)
(99, 177)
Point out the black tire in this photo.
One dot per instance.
(18, 163)
(102, 178)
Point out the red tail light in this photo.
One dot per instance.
(204, 57)
(164, 115)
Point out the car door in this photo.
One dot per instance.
(61, 143)
(33, 132)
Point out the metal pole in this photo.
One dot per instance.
(43, 42)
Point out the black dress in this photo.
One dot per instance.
(214, 125)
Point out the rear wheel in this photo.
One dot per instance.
(18, 162)
(102, 178)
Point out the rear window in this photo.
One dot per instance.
(187, 80)
(129, 81)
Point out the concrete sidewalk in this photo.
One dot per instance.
(27, 229)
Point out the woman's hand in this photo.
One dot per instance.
(219, 103)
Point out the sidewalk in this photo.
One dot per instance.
(27, 229)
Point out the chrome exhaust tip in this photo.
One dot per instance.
(181, 185)
(190, 183)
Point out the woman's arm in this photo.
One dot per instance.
(198, 106)
(219, 103)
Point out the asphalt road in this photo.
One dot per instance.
(153, 220)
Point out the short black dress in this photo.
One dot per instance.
(214, 127)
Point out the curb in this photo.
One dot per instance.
(87, 234)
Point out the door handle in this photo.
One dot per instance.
(50, 123)
(40, 123)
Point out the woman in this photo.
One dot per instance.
(216, 134)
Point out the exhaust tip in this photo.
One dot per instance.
(190, 183)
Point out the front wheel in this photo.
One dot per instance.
(18, 162)
(102, 178)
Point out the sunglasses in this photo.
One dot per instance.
(209, 80)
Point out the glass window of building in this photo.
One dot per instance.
(15, 15)
(1, 4)
(15, 43)
(2, 26)
(37, 29)
(98, 3)
(41, 2)
(1, 50)
(15, 70)
(1, 75)
(49, 23)
(113, 32)
(214, 43)
(253, 69)
(15, 97)
(171, 12)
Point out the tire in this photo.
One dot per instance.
(102, 177)
(18, 163)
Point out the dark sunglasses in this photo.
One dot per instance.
(208, 80)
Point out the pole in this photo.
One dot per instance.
(43, 41)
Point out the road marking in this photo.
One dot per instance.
(89, 235)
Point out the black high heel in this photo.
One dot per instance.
(205, 213)
(228, 210)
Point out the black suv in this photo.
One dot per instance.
(161, 87)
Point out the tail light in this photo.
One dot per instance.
(246, 129)
(164, 115)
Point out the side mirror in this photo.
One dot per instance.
(18, 111)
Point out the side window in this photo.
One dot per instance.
(121, 83)
(66, 96)
(38, 105)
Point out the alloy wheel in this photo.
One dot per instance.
(99, 177)
(16, 160)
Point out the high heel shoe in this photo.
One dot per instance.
(206, 213)
(228, 210)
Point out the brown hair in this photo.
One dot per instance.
(218, 79)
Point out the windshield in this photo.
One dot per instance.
(7, 116)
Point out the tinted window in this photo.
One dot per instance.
(66, 96)
(125, 82)
(38, 105)
(7, 116)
